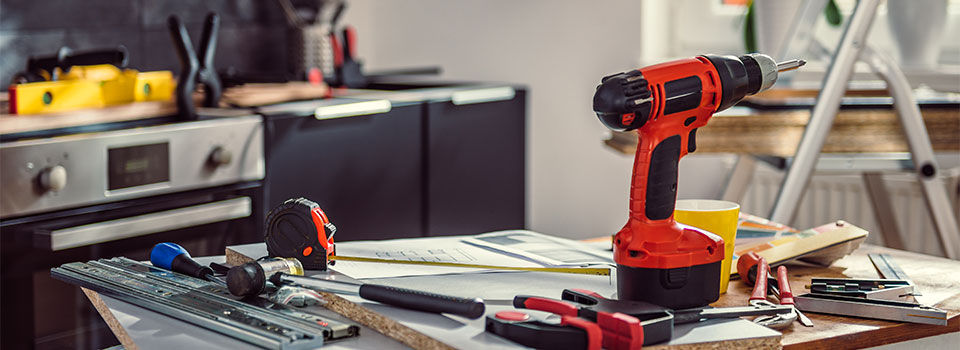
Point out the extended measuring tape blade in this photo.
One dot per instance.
(574, 270)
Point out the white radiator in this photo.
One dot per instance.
(832, 197)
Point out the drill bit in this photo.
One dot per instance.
(790, 65)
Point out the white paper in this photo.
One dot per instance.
(440, 249)
(543, 249)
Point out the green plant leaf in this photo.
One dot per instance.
(832, 12)
(749, 33)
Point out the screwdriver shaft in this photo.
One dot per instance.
(790, 65)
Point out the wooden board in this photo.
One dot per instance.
(357, 313)
(125, 340)
(240, 96)
(251, 95)
(711, 335)
(936, 278)
(10, 123)
(778, 133)
(933, 276)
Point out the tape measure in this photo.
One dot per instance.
(574, 270)
(299, 228)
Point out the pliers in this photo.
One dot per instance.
(657, 321)
(756, 268)
(759, 297)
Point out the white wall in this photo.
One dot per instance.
(560, 50)
(577, 187)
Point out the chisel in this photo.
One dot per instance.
(401, 297)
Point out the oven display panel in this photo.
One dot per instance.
(138, 165)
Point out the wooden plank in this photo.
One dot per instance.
(778, 133)
(250, 95)
(10, 123)
(243, 96)
(380, 323)
(935, 277)
(238, 255)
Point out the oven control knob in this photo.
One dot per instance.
(53, 178)
(219, 156)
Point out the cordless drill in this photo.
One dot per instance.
(659, 260)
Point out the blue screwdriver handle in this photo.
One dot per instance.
(171, 256)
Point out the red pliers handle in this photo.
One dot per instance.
(786, 295)
(572, 332)
(759, 294)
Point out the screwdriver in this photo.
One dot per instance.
(173, 257)
(401, 297)
(251, 279)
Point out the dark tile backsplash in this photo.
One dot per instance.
(252, 32)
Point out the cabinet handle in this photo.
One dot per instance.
(352, 109)
(140, 225)
(465, 97)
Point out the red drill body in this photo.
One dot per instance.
(653, 220)
(659, 260)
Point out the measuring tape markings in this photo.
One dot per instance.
(573, 270)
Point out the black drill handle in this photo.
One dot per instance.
(423, 301)
(662, 170)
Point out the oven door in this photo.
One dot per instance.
(43, 313)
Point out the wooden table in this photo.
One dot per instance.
(937, 278)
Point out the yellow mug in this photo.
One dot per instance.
(717, 217)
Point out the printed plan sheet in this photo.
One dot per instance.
(517, 248)
(439, 249)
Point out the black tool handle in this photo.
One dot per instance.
(189, 65)
(207, 74)
(66, 58)
(423, 301)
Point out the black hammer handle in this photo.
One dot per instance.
(423, 301)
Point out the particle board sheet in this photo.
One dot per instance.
(778, 133)
(499, 287)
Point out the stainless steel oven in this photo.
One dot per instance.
(74, 195)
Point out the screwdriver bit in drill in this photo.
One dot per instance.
(790, 65)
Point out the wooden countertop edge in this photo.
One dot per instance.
(879, 336)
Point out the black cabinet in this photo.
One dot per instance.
(364, 170)
(434, 164)
(475, 166)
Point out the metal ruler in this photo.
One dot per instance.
(573, 270)
(204, 304)
(871, 308)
